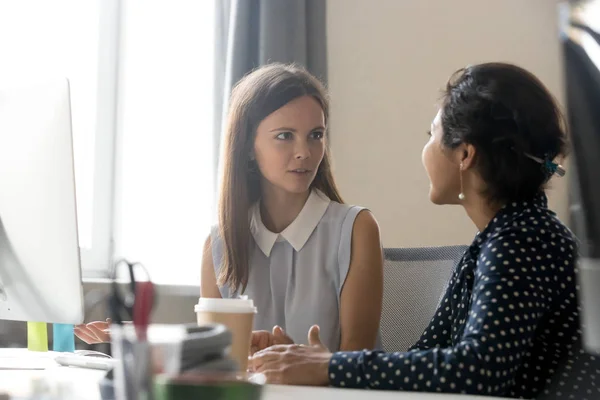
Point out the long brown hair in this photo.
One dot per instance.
(255, 96)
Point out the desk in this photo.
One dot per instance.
(85, 383)
(277, 392)
(85, 387)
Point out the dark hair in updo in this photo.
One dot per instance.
(506, 113)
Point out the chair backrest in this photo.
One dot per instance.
(414, 281)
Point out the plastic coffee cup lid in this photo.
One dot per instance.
(240, 305)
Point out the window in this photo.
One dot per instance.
(141, 74)
(164, 169)
(59, 38)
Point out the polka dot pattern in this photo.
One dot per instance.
(508, 318)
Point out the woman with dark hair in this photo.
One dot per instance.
(509, 315)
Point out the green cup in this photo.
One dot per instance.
(215, 387)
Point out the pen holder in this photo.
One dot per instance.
(133, 371)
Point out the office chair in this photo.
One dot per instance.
(414, 281)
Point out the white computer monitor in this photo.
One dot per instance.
(40, 273)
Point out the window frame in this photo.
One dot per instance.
(97, 260)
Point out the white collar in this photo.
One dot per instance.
(298, 232)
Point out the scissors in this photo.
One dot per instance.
(136, 302)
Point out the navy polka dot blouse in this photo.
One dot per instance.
(507, 319)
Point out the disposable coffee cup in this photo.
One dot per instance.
(237, 315)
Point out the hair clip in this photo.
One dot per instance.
(549, 166)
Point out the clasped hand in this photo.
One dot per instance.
(292, 364)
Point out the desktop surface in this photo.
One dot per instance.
(83, 384)
(23, 359)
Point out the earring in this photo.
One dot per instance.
(461, 195)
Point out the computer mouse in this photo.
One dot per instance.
(91, 353)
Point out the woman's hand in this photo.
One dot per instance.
(294, 364)
(94, 332)
(264, 339)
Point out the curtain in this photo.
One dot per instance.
(251, 33)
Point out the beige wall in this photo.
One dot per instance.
(388, 60)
